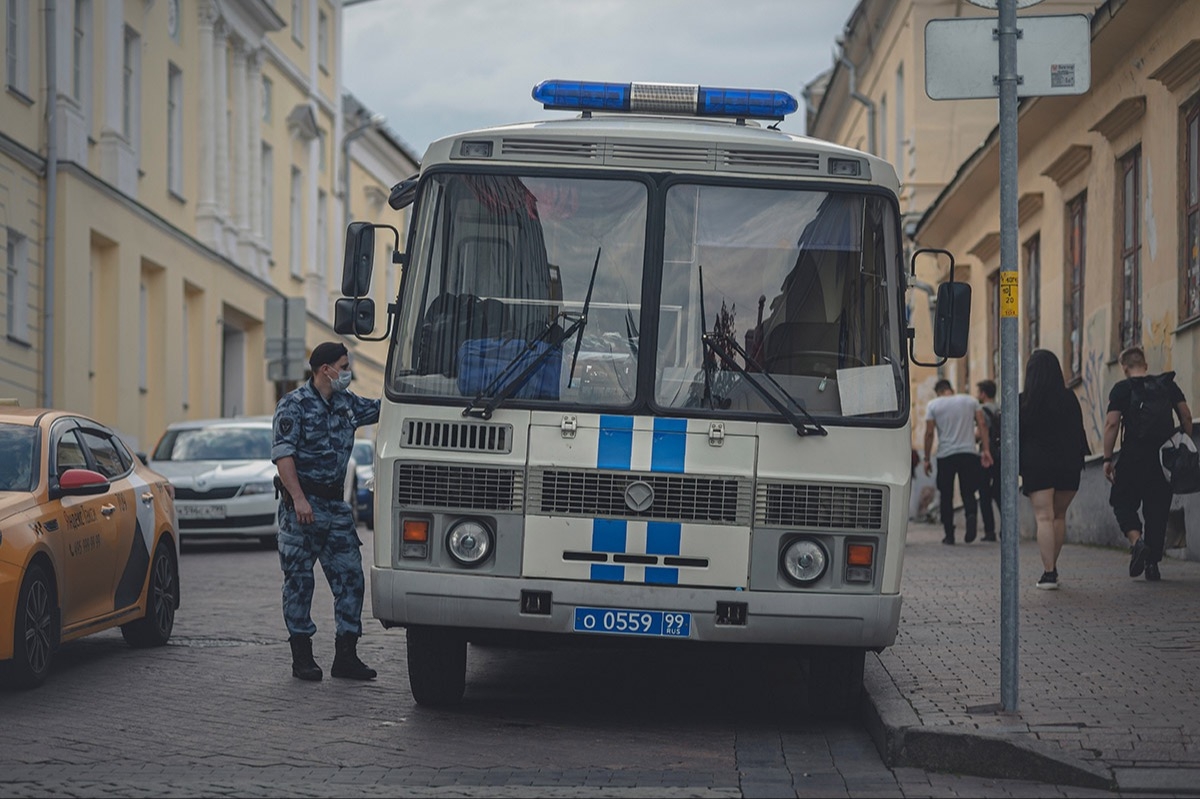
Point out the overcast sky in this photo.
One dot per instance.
(437, 67)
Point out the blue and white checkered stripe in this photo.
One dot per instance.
(621, 446)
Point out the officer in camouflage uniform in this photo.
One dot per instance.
(314, 433)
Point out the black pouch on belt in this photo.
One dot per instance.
(281, 493)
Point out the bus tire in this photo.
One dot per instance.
(835, 681)
(437, 666)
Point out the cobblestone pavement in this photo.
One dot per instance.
(1109, 668)
(216, 712)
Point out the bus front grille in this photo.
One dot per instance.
(819, 505)
(438, 485)
(571, 492)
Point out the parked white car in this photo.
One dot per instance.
(223, 477)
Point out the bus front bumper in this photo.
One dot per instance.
(482, 602)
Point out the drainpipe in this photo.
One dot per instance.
(862, 98)
(51, 206)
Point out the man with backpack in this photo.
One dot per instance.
(1144, 408)
(989, 477)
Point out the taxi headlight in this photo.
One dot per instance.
(258, 488)
(469, 542)
(804, 561)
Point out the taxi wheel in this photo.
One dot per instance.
(154, 629)
(437, 666)
(34, 638)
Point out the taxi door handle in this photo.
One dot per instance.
(147, 497)
(108, 510)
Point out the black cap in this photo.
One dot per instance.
(326, 352)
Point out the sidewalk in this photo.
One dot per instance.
(1108, 691)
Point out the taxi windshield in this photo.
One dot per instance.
(17, 445)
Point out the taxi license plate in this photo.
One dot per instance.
(665, 623)
(200, 511)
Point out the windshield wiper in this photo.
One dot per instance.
(721, 344)
(512, 386)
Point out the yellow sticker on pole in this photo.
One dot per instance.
(1008, 294)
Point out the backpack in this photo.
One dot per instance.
(1150, 419)
(993, 417)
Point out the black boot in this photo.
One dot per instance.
(346, 662)
(303, 665)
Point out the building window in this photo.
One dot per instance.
(79, 49)
(174, 130)
(266, 99)
(1130, 291)
(1033, 294)
(323, 261)
(994, 323)
(321, 137)
(883, 134)
(298, 22)
(1076, 261)
(185, 385)
(295, 226)
(17, 50)
(1190, 295)
(143, 336)
(268, 193)
(16, 287)
(899, 99)
(322, 41)
(131, 89)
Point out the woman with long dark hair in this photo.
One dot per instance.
(1053, 445)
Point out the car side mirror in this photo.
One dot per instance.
(952, 322)
(354, 316)
(82, 482)
(358, 260)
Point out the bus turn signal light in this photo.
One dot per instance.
(860, 554)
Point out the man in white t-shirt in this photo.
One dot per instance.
(956, 417)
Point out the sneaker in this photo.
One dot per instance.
(1152, 572)
(948, 540)
(1048, 581)
(969, 537)
(1137, 557)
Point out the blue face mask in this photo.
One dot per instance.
(342, 382)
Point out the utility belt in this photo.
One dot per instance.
(322, 490)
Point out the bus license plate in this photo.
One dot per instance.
(666, 623)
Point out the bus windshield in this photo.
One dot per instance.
(803, 282)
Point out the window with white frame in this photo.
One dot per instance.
(1075, 269)
(268, 193)
(323, 260)
(1129, 287)
(295, 224)
(298, 22)
(16, 287)
(1032, 312)
(322, 40)
(321, 141)
(81, 19)
(17, 49)
(131, 88)
(174, 130)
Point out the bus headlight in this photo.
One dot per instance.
(803, 561)
(469, 542)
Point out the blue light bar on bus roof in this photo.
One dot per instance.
(664, 98)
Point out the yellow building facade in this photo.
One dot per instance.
(176, 163)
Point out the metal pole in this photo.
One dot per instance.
(51, 217)
(1009, 419)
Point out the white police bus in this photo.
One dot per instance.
(646, 378)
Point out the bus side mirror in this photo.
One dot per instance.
(359, 258)
(952, 322)
(354, 316)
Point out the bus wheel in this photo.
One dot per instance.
(835, 681)
(437, 666)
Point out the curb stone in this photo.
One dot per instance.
(903, 742)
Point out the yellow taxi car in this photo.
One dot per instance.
(88, 541)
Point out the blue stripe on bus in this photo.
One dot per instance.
(615, 447)
(661, 575)
(608, 573)
(608, 535)
(662, 538)
(669, 445)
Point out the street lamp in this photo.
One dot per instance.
(375, 121)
